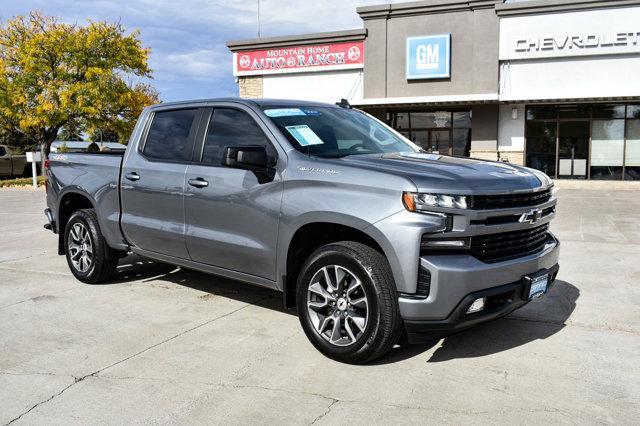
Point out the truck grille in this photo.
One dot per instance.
(508, 245)
(505, 201)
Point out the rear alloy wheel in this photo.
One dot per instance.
(348, 303)
(89, 257)
(80, 248)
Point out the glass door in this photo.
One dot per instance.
(573, 149)
(440, 141)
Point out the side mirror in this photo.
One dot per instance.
(252, 158)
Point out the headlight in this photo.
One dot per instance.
(420, 201)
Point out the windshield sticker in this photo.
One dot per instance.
(311, 112)
(304, 135)
(283, 112)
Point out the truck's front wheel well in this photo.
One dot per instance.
(69, 204)
(310, 237)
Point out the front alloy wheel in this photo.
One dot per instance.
(337, 305)
(348, 303)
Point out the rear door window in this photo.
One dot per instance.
(231, 127)
(170, 135)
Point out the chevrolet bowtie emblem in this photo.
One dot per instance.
(531, 217)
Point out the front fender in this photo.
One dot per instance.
(288, 230)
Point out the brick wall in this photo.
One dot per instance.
(514, 157)
(250, 87)
(484, 155)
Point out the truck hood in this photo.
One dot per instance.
(458, 175)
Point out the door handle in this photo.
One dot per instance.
(132, 176)
(198, 182)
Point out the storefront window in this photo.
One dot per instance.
(633, 111)
(541, 146)
(542, 112)
(632, 153)
(608, 111)
(581, 141)
(574, 111)
(401, 121)
(443, 132)
(607, 149)
(462, 119)
(461, 142)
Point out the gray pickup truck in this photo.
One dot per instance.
(368, 235)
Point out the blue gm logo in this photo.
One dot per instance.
(429, 57)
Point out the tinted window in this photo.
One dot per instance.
(2, 151)
(168, 137)
(230, 127)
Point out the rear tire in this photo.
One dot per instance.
(89, 257)
(348, 303)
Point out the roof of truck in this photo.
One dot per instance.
(258, 102)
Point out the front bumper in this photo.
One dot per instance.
(457, 280)
(500, 301)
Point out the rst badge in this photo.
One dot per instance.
(429, 57)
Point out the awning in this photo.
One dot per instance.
(427, 100)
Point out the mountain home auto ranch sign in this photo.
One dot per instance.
(319, 57)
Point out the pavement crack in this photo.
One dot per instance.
(13, 373)
(33, 407)
(182, 333)
(327, 411)
(95, 373)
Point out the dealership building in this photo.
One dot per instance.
(550, 84)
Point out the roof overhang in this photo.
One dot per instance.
(428, 100)
(570, 100)
(555, 6)
(297, 40)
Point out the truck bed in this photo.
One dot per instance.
(95, 174)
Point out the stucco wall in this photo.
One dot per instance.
(474, 53)
(328, 86)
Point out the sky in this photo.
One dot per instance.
(188, 38)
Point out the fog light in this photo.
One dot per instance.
(476, 306)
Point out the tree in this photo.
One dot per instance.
(119, 117)
(100, 135)
(71, 131)
(53, 74)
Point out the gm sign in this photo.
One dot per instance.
(429, 57)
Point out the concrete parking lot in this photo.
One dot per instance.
(165, 345)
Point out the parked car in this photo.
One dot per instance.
(369, 236)
(12, 164)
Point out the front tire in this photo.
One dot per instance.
(347, 302)
(89, 257)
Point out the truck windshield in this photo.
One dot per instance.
(336, 132)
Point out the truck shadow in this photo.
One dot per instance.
(538, 320)
(135, 268)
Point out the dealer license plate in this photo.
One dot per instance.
(538, 286)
